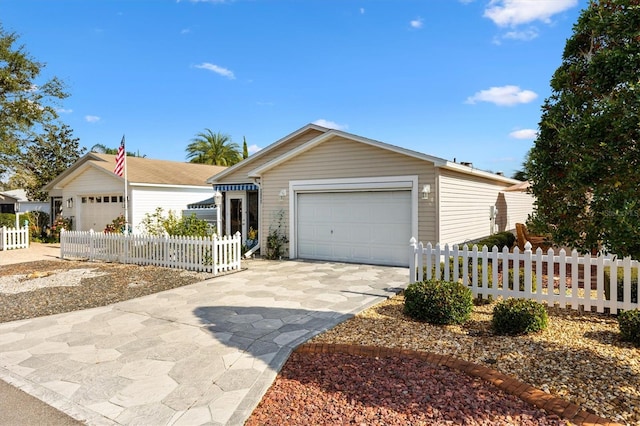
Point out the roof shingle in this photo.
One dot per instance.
(162, 172)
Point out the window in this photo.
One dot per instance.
(84, 200)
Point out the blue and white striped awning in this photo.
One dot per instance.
(236, 187)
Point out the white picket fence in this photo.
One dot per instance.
(558, 279)
(12, 238)
(204, 254)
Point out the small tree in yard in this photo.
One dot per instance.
(584, 166)
(159, 224)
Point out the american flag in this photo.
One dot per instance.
(119, 170)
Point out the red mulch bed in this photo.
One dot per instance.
(341, 389)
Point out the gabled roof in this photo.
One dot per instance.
(332, 133)
(329, 134)
(142, 171)
(258, 155)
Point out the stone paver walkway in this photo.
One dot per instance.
(200, 354)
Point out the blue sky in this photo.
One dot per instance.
(460, 79)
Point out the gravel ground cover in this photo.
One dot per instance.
(47, 287)
(579, 357)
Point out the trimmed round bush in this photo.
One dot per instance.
(438, 302)
(629, 323)
(519, 316)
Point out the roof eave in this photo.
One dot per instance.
(59, 182)
(257, 172)
(70, 170)
(477, 172)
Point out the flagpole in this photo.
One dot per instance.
(126, 194)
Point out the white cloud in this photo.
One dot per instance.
(524, 134)
(91, 118)
(503, 96)
(506, 13)
(416, 23)
(526, 35)
(253, 149)
(330, 124)
(217, 69)
(185, 31)
(362, 11)
(64, 111)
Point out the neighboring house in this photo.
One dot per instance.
(92, 196)
(16, 201)
(342, 197)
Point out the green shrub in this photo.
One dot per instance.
(501, 240)
(438, 302)
(58, 225)
(519, 316)
(38, 222)
(159, 224)
(534, 285)
(620, 281)
(8, 220)
(510, 276)
(629, 323)
(460, 265)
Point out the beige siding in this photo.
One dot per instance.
(464, 206)
(240, 175)
(340, 158)
(519, 205)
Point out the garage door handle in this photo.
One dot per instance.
(332, 231)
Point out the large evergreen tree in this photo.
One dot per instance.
(26, 102)
(585, 163)
(47, 156)
(213, 148)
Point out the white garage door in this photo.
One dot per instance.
(99, 210)
(363, 227)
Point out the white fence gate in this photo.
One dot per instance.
(205, 254)
(598, 282)
(12, 238)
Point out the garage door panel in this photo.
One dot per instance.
(96, 215)
(368, 226)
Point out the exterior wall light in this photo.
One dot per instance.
(69, 203)
(426, 190)
(283, 194)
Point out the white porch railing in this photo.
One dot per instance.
(553, 278)
(12, 238)
(204, 254)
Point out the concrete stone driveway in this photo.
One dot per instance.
(200, 354)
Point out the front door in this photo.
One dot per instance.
(236, 214)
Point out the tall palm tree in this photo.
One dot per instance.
(213, 148)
